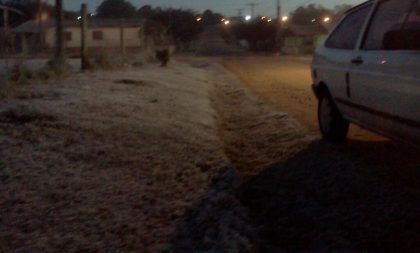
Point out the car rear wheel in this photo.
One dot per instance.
(332, 125)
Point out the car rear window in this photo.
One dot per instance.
(345, 36)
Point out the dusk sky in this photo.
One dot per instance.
(226, 7)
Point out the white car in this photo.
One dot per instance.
(368, 71)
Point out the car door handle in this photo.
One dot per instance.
(357, 61)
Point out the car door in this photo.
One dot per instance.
(332, 61)
(384, 84)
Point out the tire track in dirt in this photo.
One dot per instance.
(255, 134)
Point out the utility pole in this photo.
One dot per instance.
(6, 11)
(239, 12)
(83, 47)
(39, 16)
(279, 39)
(6, 19)
(6, 30)
(59, 37)
(252, 6)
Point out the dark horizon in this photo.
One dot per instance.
(227, 7)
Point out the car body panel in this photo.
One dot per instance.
(381, 93)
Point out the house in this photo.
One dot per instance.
(302, 39)
(102, 35)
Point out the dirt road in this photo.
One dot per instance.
(354, 197)
(285, 83)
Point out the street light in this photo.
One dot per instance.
(44, 16)
(227, 22)
(248, 17)
(284, 18)
(199, 19)
(327, 19)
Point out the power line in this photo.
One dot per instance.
(252, 6)
(239, 10)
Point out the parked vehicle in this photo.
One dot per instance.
(368, 71)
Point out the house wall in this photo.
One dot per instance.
(111, 37)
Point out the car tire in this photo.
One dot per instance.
(331, 123)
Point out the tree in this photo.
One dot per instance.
(307, 15)
(29, 7)
(181, 24)
(259, 34)
(211, 18)
(146, 12)
(116, 9)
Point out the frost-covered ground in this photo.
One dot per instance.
(186, 159)
(107, 161)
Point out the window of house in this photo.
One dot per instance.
(97, 35)
(67, 36)
(347, 33)
(387, 24)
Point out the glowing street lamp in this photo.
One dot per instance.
(43, 16)
(199, 19)
(327, 19)
(227, 22)
(248, 17)
(284, 18)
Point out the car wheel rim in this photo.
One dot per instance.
(326, 115)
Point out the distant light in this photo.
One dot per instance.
(79, 18)
(263, 17)
(284, 18)
(248, 17)
(269, 20)
(93, 14)
(227, 22)
(327, 19)
(313, 20)
(44, 16)
(223, 19)
(199, 19)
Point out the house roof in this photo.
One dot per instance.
(34, 26)
(305, 30)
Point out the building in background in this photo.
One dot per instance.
(104, 35)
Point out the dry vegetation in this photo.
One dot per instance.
(99, 163)
(185, 159)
